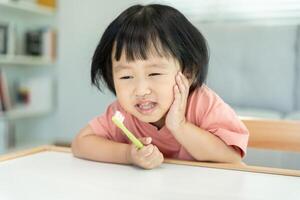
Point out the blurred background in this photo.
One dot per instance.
(46, 48)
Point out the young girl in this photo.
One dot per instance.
(155, 62)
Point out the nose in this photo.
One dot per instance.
(142, 88)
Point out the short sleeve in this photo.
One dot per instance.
(220, 119)
(103, 126)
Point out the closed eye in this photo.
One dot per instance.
(126, 77)
(155, 74)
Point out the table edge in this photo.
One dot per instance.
(226, 166)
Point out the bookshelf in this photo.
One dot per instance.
(21, 60)
(24, 112)
(27, 57)
(27, 8)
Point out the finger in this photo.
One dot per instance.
(156, 158)
(162, 158)
(146, 151)
(185, 81)
(180, 83)
(184, 85)
(177, 98)
(150, 163)
(158, 161)
(181, 93)
(154, 153)
(177, 94)
(146, 140)
(186, 90)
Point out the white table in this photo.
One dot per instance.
(58, 175)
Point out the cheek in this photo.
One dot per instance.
(166, 92)
(167, 81)
(165, 85)
(120, 85)
(123, 98)
(121, 91)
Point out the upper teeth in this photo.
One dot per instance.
(146, 105)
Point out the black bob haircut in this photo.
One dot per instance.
(138, 28)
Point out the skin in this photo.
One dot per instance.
(157, 82)
(142, 82)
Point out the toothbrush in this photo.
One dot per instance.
(118, 119)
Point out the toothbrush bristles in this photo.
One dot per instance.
(119, 116)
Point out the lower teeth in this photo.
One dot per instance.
(146, 108)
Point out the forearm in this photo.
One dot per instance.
(93, 147)
(204, 146)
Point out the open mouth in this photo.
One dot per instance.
(146, 108)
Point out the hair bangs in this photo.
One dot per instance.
(139, 40)
(141, 32)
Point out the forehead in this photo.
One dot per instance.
(151, 62)
(125, 51)
(157, 63)
(154, 59)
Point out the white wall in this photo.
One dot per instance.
(80, 25)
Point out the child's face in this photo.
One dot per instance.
(144, 88)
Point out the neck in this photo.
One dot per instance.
(159, 124)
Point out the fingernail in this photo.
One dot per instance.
(149, 139)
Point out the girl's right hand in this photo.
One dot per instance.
(148, 157)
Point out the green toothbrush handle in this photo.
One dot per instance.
(132, 138)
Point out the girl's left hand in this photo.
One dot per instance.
(175, 118)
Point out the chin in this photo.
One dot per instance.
(148, 119)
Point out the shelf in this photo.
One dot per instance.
(18, 18)
(24, 60)
(27, 7)
(24, 112)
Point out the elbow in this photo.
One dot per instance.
(235, 157)
(80, 144)
(75, 148)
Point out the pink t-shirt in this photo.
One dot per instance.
(204, 109)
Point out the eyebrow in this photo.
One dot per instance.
(155, 65)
